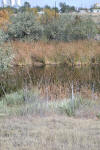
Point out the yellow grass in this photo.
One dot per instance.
(77, 52)
(49, 133)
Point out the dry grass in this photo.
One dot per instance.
(49, 133)
(77, 52)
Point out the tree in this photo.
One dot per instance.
(25, 7)
(47, 7)
(38, 8)
(55, 9)
(66, 8)
(62, 7)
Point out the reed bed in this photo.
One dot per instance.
(76, 52)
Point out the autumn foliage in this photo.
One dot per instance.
(4, 18)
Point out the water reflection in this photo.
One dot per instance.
(56, 81)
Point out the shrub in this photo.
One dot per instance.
(24, 25)
(19, 97)
(6, 55)
(68, 28)
(3, 37)
(55, 30)
(69, 107)
(82, 29)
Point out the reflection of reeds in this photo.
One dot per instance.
(59, 91)
(54, 82)
(76, 52)
(55, 91)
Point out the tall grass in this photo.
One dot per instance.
(72, 53)
(28, 102)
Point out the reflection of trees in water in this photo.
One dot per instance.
(57, 79)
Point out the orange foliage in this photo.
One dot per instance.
(4, 18)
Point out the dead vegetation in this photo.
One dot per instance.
(52, 133)
(42, 53)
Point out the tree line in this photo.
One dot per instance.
(63, 8)
(28, 24)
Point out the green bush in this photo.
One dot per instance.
(68, 28)
(6, 55)
(56, 29)
(64, 28)
(82, 29)
(24, 25)
(23, 102)
(69, 107)
(3, 37)
(15, 98)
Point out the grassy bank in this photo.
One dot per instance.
(30, 102)
(42, 53)
(29, 122)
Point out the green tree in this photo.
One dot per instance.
(47, 7)
(66, 8)
(56, 9)
(39, 8)
(25, 7)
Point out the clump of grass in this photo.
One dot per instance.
(23, 102)
(67, 106)
(15, 98)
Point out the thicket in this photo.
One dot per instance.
(68, 28)
(24, 25)
(62, 28)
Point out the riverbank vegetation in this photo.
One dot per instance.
(47, 39)
(71, 53)
(27, 102)
(64, 39)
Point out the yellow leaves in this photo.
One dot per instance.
(4, 18)
(34, 10)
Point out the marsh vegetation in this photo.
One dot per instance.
(49, 71)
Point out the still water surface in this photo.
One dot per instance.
(57, 81)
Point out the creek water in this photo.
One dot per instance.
(56, 81)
